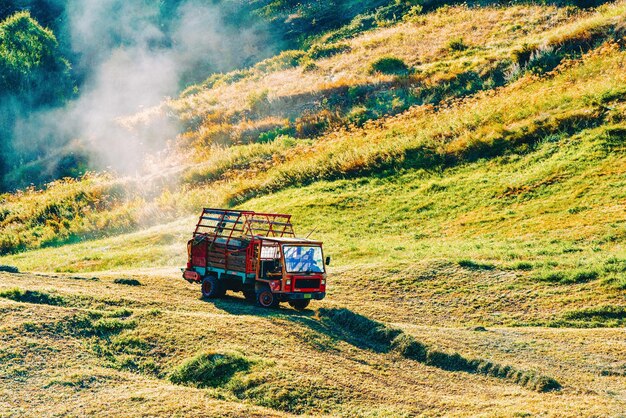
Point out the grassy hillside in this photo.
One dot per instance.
(231, 152)
(75, 343)
(470, 190)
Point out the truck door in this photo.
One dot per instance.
(270, 266)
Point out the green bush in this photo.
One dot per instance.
(218, 79)
(9, 269)
(414, 14)
(270, 136)
(358, 115)
(258, 102)
(395, 11)
(32, 296)
(522, 54)
(209, 369)
(457, 44)
(359, 24)
(544, 60)
(309, 65)
(388, 65)
(127, 282)
(325, 51)
(473, 265)
(282, 61)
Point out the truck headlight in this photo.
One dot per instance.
(323, 281)
(288, 282)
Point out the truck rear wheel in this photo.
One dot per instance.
(212, 288)
(265, 298)
(300, 304)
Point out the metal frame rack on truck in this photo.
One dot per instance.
(257, 254)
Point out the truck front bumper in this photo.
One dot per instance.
(284, 297)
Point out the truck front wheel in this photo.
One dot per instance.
(265, 298)
(300, 304)
(212, 288)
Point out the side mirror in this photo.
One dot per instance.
(328, 261)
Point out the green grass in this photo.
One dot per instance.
(67, 211)
(599, 312)
(107, 326)
(29, 296)
(209, 369)
(424, 221)
(457, 44)
(206, 112)
(389, 65)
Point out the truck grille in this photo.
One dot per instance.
(307, 283)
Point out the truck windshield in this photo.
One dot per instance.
(303, 258)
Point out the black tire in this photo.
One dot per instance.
(265, 298)
(212, 288)
(250, 295)
(300, 304)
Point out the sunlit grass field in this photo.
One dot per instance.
(90, 345)
(473, 204)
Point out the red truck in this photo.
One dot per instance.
(257, 254)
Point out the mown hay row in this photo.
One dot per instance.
(376, 333)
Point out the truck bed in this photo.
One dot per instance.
(206, 253)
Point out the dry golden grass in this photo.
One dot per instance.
(419, 43)
(61, 372)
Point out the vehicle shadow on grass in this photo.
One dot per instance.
(309, 318)
(237, 305)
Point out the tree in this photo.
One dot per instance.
(33, 75)
(31, 65)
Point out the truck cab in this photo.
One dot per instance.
(293, 269)
(257, 254)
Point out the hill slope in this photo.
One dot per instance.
(71, 348)
(469, 189)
